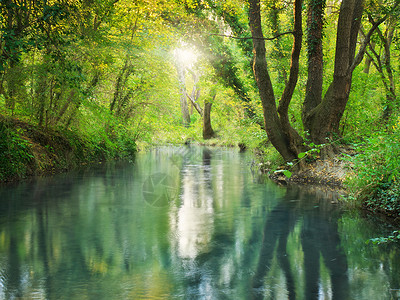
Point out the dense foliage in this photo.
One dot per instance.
(377, 172)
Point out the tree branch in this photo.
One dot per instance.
(195, 104)
(253, 38)
(294, 66)
(360, 54)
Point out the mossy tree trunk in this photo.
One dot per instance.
(315, 24)
(276, 119)
(322, 121)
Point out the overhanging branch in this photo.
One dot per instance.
(375, 24)
(253, 38)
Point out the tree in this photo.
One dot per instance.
(194, 96)
(208, 131)
(322, 119)
(280, 132)
(321, 114)
(207, 36)
(381, 58)
(17, 26)
(181, 70)
(315, 23)
(84, 65)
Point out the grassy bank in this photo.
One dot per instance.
(26, 149)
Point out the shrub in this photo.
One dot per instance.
(15, 153)
(377, 171)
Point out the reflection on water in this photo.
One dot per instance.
(195, 222)
(186, 223)
(320, 242)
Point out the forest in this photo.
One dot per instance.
(296, 82)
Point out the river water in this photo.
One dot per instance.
(186, 223)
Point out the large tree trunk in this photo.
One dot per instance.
(282, 136)
(277, 50)
(315, 24)
(323, 121)
(208, 132)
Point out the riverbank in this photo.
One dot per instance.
(339, 174)
(27, 149)
(332, 173)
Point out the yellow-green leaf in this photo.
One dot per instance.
(302, 154)
(287, 173)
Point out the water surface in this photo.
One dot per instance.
(186, 223)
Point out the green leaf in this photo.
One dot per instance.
(287, 173)
(302, 154)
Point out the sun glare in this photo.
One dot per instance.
(185, 56)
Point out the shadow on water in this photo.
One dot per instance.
(319, 238)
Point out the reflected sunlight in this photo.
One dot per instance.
(195, 225)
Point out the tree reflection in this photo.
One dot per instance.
(13, 282)
(278, 225)
(195, 223)
(319, 237)
(228, 236)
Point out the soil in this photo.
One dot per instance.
(331, 173)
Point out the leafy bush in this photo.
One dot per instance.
(394, 237)
(15, 153)
(377, 171)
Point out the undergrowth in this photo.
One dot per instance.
(15, 153)
(26, 149)
(376, 179)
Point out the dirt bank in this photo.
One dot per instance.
(330, 173)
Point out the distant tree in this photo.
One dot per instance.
(181, 70)
(379, 54)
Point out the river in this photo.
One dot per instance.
(186, 223)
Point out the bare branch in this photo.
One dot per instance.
(195, 104)
(360, 54)
(254, 38)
